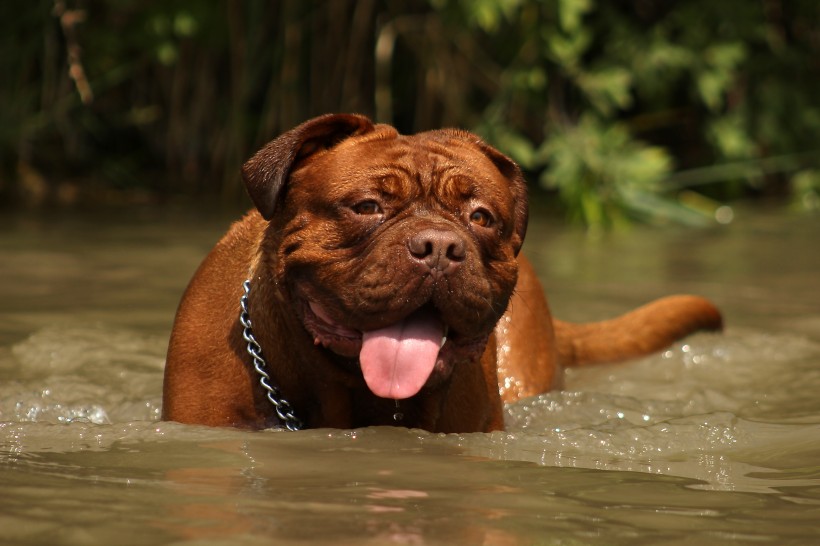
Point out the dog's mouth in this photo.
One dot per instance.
(397, 360)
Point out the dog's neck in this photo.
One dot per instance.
(284, 411)
(281, 406)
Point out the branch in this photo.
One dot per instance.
(69, 19)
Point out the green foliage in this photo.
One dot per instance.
(633, 89)
(601, 172)
(650, 110)
(806, 190)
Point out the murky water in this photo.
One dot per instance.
(715, 441)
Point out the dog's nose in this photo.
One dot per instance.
(438, 249)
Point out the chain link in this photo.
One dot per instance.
(283, 408)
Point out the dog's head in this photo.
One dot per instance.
(396, 250)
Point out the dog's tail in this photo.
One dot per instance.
(644, 330)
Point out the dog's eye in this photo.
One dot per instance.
(481, 217)
(367, 208)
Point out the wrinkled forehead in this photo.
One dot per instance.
(426, 158)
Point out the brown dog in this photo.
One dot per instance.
(386, 287)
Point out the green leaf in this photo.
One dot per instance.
(488, 15)
(571, 12)
(607, 89)
(717, 75)
(806, 190)
(730, 135)
(711, 85)
(567, 50)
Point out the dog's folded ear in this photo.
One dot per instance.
(518, 187)
(267, 171)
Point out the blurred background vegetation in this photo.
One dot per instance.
(618, 109)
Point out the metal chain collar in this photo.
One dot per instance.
(283, 408)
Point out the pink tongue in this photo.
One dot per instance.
(397, 360)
